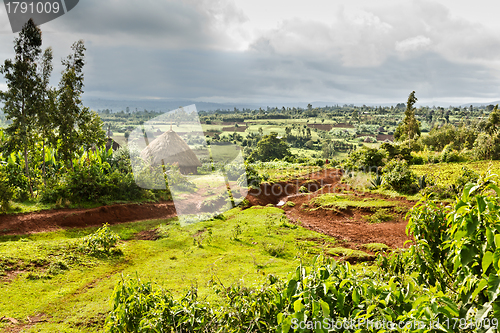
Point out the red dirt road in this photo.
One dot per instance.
(79, 218)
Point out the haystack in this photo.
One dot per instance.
(169, 148)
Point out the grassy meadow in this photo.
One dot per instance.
(48, 273)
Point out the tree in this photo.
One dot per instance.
(493, 121)
(270, 148)
(77, 124)
(22, 96)
(410, 127)
(47, 107)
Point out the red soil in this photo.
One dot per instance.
(79, 218)
(348, 225)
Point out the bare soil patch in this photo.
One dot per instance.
(349, 225)
(80, 218)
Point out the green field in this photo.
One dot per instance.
(447, 173)
(47, 273)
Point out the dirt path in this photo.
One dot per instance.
(79, 218)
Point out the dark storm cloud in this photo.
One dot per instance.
(183, 49)
(168, 24)
(255, 77)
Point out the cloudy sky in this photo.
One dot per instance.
(256, 51)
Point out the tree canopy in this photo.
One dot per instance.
(270, 148)
(409, 129)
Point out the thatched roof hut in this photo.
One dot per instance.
(112, 144)
(169, 148)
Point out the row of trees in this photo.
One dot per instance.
(41, 115)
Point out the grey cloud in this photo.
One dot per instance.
(252, 77)
(169, 24)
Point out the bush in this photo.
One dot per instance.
(467, 176)
(6, 192)
(101, 241)
(252, 179)
(91, 182)
(398, 176)
(366, 159)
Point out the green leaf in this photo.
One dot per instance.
(496, 259)
(286, 324)
(496, 188)
(482, 284)
(466, 255)
(497, 241)
(493, 287)
(467, 190)
(325, 308)
(298, 306)
(487, 260)
(490, 236)
(481, 205)
(355, 296)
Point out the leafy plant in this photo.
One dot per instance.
(237, 231)
(101, 241)
(275, 250)
(422, 182)
(6, 192)
(399, 177)
(376, 182)
(381, 215)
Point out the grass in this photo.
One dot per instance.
(76, 296)
(376, 247)
(348, 253)
(445, 174)
(381, 215)
(330, 201)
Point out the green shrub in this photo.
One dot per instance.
(399, 177)
(438, 192)
(381, 215)
(275, 250)
(101, 241)
(467, 176)
(6, 192)
(366, 159)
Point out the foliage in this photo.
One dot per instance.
(395, 151)
(456, 248)
(399, 177)
(22, 99)
(6, 191)
(366, 159)
(270, 147)
(101, 241)
(380, 215)
(91, 181)
(77, 125)
(410, 127)
(251, 178)
(467, 176)
(376, 182)
(458, 137)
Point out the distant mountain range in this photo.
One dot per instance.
(167, 105)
